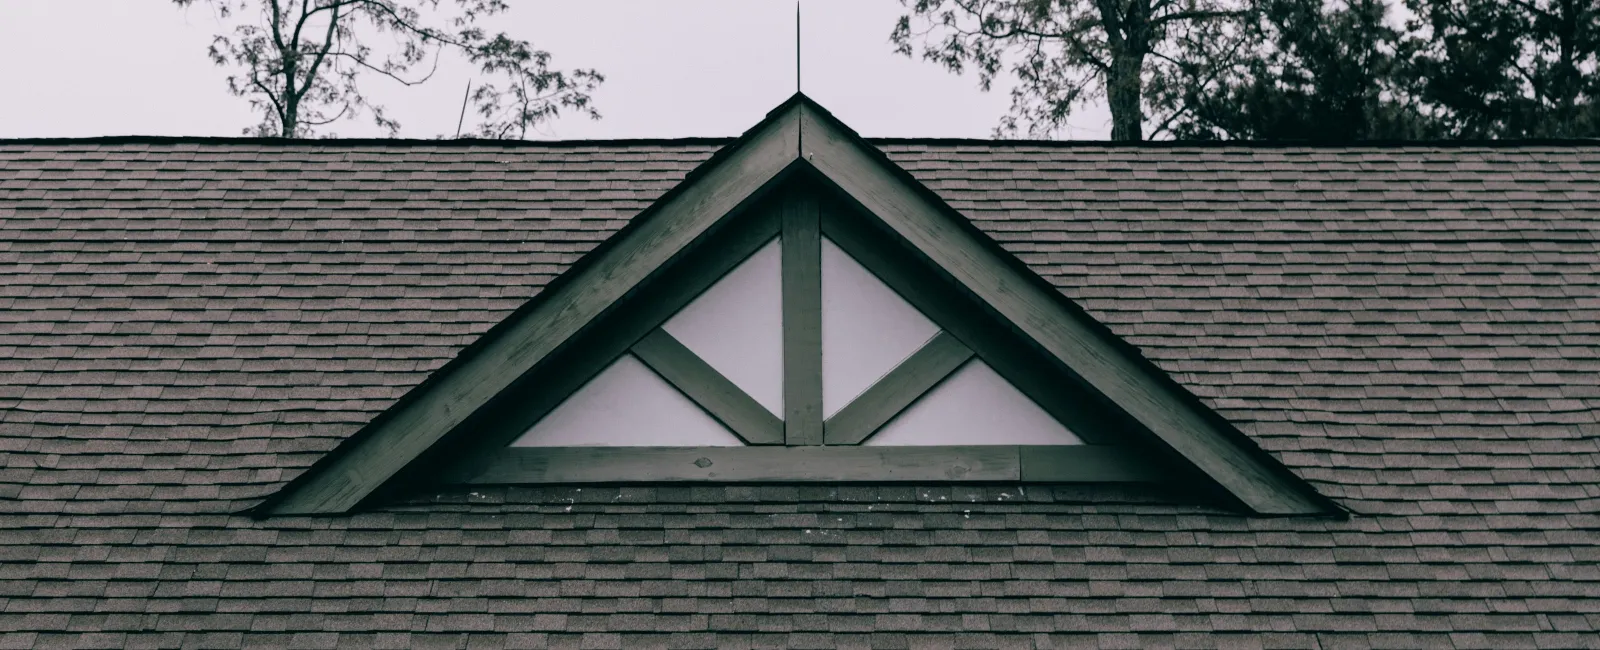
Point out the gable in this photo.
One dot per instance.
(1088, 353)
(934, 390)
(1410, 328)
(726, 351)
(1358, 310)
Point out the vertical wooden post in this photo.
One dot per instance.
(802, 319)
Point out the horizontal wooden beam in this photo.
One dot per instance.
(1091, 464)
(918, 374)
(978, 463)
(703, 385)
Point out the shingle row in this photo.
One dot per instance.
(184, 326)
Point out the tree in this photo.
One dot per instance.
(1510, 68)
(302, 63)
(1312, 70)
(1067, 52)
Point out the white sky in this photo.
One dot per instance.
(73, 68)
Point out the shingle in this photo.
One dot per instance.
(187, 325)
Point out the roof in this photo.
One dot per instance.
(186, 325)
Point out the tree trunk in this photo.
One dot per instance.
(1568, 78)
(291, 119)
(1125, 94)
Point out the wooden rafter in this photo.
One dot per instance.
(942, 301)
(1111, 367)
(612, 300)
(429, 412)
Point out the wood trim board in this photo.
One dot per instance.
(891, 394)
(1178, 420)
(802, 318)
(544, 389)
(977, 463)
(1029, 370)
(614, 296)
(415, 424)
(706, 387)
(532, 397)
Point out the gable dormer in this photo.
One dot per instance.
(798, 309)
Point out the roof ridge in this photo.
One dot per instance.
(385, 142)
(1509, 143)
(1245, 144)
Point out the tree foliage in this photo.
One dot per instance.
(1510, 68)
(1064, 53)
(1281, 69)
(303, 64)
(1310, 70)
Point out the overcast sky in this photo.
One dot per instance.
(72, 68)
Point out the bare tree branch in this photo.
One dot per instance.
(300, 80)
(392, 76)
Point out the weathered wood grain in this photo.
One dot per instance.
(1027, 303)
(1091, 464)
(703, 385)
(946, 303)
(885, 399)
(543, 389)
(802, 318)
(978, 463)
(729, 181)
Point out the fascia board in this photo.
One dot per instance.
(733, 177)
(797, 130)
(1107, 364)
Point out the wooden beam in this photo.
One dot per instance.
(802, 318)
(918, 374)
(732, 179)
(1037, 310)
(1091, 464)
(978, 463)
(706, 387)
(511, 413)
(542, 390)
(947, 304)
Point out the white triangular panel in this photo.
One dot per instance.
(736, 326)
(627, 405)
(974, 406)
(867, 329)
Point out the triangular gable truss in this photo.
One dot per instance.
(887, 221)
(787, 449)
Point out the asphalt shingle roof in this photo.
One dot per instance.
(186, 325)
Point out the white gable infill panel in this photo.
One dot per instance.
(736, 326)
(974, 406)
(627, 405)
(867, 329)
